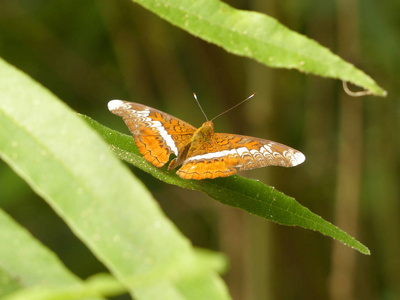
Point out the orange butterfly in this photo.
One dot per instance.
(201, 152)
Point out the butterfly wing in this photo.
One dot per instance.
(225, 153)
(156, 134)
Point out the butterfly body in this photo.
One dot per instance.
(200, 137)
(201, 152)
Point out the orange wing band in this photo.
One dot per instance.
(205, 170)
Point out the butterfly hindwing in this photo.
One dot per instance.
(156, 134)
(201, 163)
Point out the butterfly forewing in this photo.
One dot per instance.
(156, 134)
(251, 153)
(228, 152)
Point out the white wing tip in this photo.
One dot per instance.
(300, 158)
(115, 104)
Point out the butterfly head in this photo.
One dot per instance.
(209, 125)
(207, 128)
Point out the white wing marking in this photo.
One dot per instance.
(217, 154)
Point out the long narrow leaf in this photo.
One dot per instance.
(259, 37)
(27, 263)
(70, 166)
(250, 195)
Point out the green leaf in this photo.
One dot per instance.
(71, 167)
(8, 284)
(250, 195)
(101, 284)
(25, 262)
(259, 37)
(107, 285)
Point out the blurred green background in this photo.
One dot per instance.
(89, 52)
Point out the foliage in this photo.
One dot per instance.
(104, 205)
(258, 36)
(110, 210)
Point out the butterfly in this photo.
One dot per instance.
(201, 152)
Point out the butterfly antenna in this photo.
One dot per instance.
(248, 98)
(198, 103)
